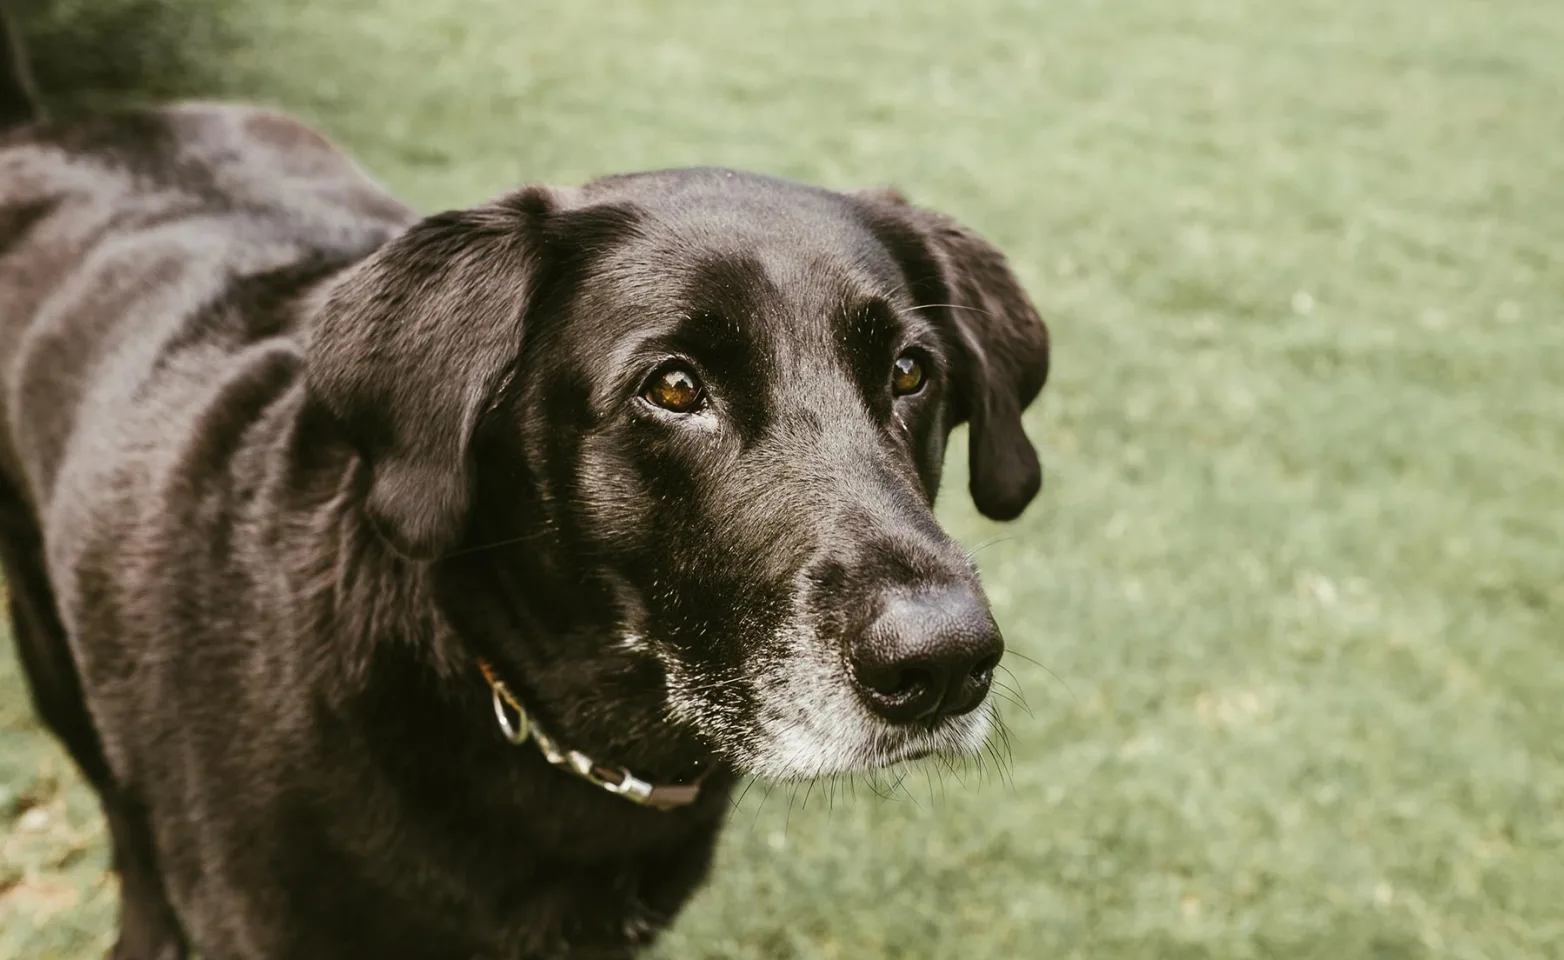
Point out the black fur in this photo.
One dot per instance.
(279, 460)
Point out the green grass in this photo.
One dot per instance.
(1296, 583)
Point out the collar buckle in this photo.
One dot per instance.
(630, 786)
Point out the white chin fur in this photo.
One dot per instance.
(806, 720)
(802, 749)
(810, 723)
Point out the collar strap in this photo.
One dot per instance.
(616, 780)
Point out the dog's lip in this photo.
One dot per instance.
(915, 752)
(915, 741)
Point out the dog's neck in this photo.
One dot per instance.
(575, 680)
(572, 673)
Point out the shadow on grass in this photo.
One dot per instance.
(88, 54)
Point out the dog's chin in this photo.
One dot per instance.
(805, 747)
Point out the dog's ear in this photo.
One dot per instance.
(410, 347)
(1002, 342)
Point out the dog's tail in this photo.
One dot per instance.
(18, 102)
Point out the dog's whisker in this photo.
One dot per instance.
(991, 752)
(1007, 697)
(1008, 759)
(479, 548)
(1013, 697)
(754, 823)
(1001, 538)
(792, 799)
(880, 792)
(961, 771)
(1009, 673)
(1002, 770)
(1008, 743)
(749, 784)
(999, 684)
(1002, 731)
(1010, 652)
(952, 306)
(972, 767)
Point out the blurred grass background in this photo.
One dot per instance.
(1295, 589)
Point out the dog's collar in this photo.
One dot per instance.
(616, 780)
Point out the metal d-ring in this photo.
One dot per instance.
(518, 733)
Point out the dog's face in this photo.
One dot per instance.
(703, 416)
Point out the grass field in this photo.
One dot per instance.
(1295, 589)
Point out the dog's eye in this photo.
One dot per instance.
(674, 388)
(907, 375)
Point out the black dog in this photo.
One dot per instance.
(418, 588)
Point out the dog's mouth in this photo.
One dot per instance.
(792, 750)
(802, 723)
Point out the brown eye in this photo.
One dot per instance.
(674, 388)
(906, 375)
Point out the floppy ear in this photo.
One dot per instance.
(411, 346)
(1002, 342)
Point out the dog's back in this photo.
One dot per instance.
(123, 239)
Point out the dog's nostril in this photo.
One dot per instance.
(898, 684)
(983, 672)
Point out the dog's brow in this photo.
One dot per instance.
(872, 323)
(723, 297)
(716, 339)
(730, 277)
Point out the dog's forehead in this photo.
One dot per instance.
(771, 257)
(796, 245)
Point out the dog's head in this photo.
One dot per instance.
(685, 429)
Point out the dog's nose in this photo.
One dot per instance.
(929, 655)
